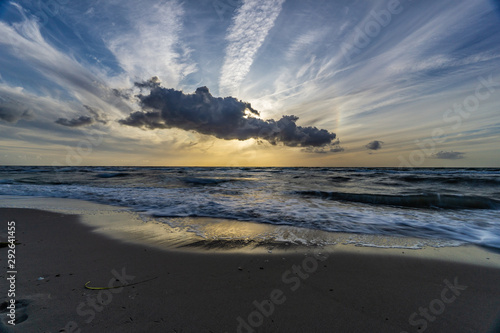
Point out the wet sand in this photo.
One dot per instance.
(304, 290)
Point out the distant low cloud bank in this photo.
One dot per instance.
(225, 118)
(449, 155)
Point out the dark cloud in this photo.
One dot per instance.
(75, 122)
(374, 145)
(154, 82)
(336, 149)
(448, 155)
(333, 147)
(225, 118)
(12, 115)
(95, 116)
(315, 150)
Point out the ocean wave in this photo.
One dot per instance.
(465, 180)
(355, 200)
(36, 182)
(206, 181)
(339, 179)
(416, 201)
(112, 174)
(73, 169)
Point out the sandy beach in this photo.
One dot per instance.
(304, 290)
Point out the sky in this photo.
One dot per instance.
(339, 83)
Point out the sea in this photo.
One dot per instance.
(452, 205)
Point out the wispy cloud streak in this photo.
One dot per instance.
(250, 27)
(85, 85)
(150, 43)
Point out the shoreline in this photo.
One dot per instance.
(226, 235)
(316, 291)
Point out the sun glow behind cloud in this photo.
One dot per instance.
(395, 89)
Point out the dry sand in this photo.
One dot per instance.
(204, 291)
